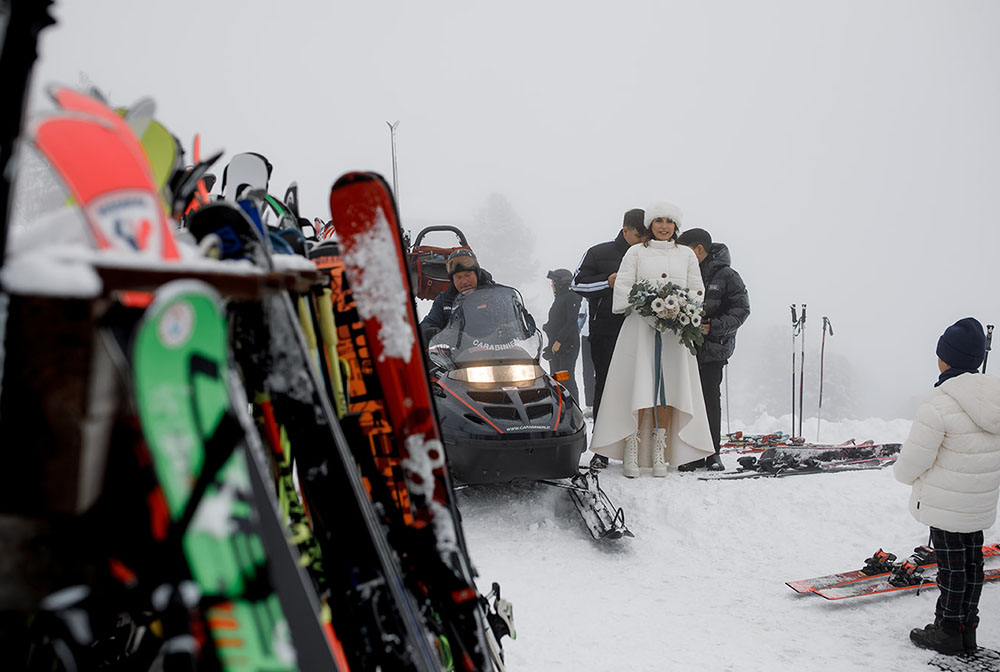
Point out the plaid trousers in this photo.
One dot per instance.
(960, 574)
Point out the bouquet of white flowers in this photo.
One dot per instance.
(670, 307)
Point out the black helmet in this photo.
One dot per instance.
(561, 277)
(461, 259)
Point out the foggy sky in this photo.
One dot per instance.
(848, 152)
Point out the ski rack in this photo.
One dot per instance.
(602, 517)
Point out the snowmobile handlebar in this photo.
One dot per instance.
(441, 227)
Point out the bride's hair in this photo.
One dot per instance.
(648, 233)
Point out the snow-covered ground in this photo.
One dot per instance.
(701, 586)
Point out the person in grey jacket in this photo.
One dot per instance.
(952, 460)
(727, 307)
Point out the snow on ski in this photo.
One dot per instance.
(365, 219)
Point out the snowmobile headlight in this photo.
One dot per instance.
(507, 373)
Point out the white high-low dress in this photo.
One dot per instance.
(629, 386)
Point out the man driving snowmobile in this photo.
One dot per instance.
(466, 275)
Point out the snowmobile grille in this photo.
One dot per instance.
(533, 395)
(472, 417)
(539, 411)
(502, 412)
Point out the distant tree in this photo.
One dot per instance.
(503, 242)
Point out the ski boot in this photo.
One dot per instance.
(943, 636)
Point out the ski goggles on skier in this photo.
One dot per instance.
(461, 263)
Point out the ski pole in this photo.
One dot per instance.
(822, 352)
(989, 341)
(795, 326)
(802, 364)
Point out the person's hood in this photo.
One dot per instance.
(979, 397)
(718, 256)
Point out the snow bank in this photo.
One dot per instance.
(701, 586)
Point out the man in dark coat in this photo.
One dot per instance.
(594, 280)
(465, 273)
(727, 306)
(563, 329)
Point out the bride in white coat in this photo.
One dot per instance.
(677, 431)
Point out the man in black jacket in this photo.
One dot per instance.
(594, 280)
(562, 329)
(465, 273)
(727, 306)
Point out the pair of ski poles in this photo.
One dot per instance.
(798, 333)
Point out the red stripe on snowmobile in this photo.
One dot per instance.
(559, 414)
(472, 408)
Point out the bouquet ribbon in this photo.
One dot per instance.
(659, 389)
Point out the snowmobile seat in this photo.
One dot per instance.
(427, 262)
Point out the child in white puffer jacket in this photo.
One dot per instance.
(952, 460)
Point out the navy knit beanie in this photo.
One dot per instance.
(963, 344)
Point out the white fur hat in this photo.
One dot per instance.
(663, 209)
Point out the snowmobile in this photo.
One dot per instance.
(502, 417)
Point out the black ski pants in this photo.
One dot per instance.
(711, 389)
(602, 347)
(565, 360)
(588, 371)
(960, 574)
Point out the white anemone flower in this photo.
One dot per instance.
(696, 320)
(684, 319)
(672, 302)
(657, 305)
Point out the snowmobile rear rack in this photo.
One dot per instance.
(427, 262)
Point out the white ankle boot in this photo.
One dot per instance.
(631, 458)
(659, 436)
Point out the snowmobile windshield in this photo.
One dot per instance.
(489, 325)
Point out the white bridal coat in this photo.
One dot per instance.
(629, 385)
